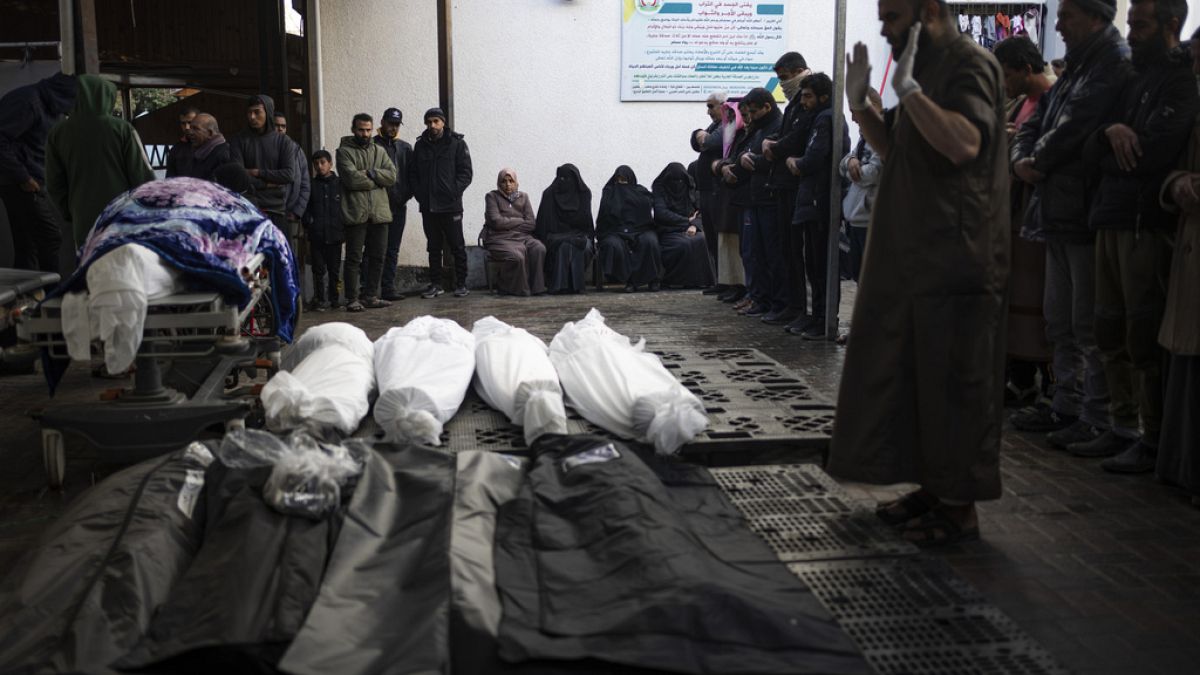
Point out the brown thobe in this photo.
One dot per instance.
(921, 392)
(508, 237)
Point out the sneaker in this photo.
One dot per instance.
(375, 303)
(742, 304)
(781, 318)
(461, 292)
(354, 306)
(655, 286)
(432, 292)
(715, 289)
(1106, 444)
(1078, 432)
(797, 326)
(754, 310)
(629, 288)
(1137, 458)
(734, 294)
(391, 296)
(318, 306)
(1040, 418)
(814, 332)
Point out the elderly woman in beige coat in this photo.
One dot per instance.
(508, 225)
(1179, 445)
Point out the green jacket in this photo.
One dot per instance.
(91, 157)
(366, 173)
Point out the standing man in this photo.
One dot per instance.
(209, 149)
(920, 399)
(708, 143)
(26, 115)
(269, 160)
(400, 152)
(366, 174)
(761, 239)
(1048, 154)
(92, 157)
(791, 69)
(180, 157)
(298, 191)
(439, 174)
(1134, 234)
(810, 217)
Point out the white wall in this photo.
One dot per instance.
(536, 84)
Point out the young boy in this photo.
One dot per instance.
(325, 231)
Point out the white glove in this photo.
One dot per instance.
(902, 81)
(858, 77)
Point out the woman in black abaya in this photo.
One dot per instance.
(565, 226)
(628, 245)
(677, 217)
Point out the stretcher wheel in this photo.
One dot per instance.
(54, 457)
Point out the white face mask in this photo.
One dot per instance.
(791, 88)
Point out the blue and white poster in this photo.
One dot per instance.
(684, 51)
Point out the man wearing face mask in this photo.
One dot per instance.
(400, 152)
(1135, 152)
(439, 174)
(1048, 154)
(921, 393)
(366, 173)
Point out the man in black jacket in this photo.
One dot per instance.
(439, 174)
(1149, 130)
(269, 159)
(708, 143)
(179, 159)
(400, 152)
(765, 269)
(297, 192)
(1048, 153)
(810, 218)
(791, 69)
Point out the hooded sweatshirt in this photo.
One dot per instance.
(92, 157)
(26, 115)
(271, 153)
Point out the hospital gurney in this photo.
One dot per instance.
(195, 346)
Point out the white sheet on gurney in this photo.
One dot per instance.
(424, 369)
(113, 309)
(623, 389)
(513, 374)
(326, 381)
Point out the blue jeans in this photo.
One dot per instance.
(766, 266)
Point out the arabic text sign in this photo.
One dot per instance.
(684, 51)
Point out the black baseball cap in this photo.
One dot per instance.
(393, 115)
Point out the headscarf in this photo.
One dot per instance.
(500, 191)
(730, 126)
(566, 205)
(673, 189)
(624, 207)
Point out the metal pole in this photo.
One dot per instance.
(833, 277)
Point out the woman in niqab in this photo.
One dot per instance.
(625, 236)
(565, 226)
(508, 227)
(677, 218)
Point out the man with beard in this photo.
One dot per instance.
(398, 195)
(920, 399)
(1048, 154)
(791, 69)
(707, 142)
(439, 174)
(762, 241)
(1133, 233)
(269, 160)
(366, 174)
(180, 156)
(298, 191)
(209, 149)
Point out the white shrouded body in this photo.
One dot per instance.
(514, 375)
(326, 381)
(424, 369)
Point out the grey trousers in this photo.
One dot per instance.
(1069, 307)
(372, 236)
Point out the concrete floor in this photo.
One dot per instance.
(1103, 570)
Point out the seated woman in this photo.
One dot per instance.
(625, 235)
(677, 217)
(565, 226)
(508, 226)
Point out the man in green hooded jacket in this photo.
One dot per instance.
(92, 157)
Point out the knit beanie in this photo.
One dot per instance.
(437, 112)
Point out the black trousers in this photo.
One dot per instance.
(326, 262)
(35, 233)
(816, 261)
(792, 243)
(372, 237)
(442, 229)
(709, 218)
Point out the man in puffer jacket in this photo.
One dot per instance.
(366, 173)
(1133, 233)
(1048, 153)
(439, 174)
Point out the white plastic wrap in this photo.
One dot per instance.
(120, 285)
(326, 383)
(623, 389)
(513, 374)
(424, 369)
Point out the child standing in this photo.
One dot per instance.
(325, 231)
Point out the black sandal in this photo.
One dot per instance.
(935, 528)
(912, 505)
